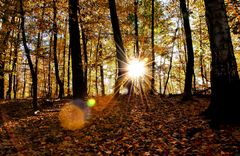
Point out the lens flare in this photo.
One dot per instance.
(71, 117)
(136, 68)
(91, 102)
(124, 91)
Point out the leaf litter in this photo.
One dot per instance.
(123, 126)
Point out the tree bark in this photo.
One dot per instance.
(27, 52)
(55, 31)
(136, 27)
(9, 91)
(224, 75)
(64, 55)
(3, 45)
(171, 57)
(24, 81)
(68, 71)
(101, 70)
(49, 68)
(121, 57)
(14, 64)
(77, 65)
(153, 53)
(84, 41)
(96, 62)
(190, 61)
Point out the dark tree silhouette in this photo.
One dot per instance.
(190, 61)
(136, 27)
(55, 31)
(153, 52)
(78, 85)
(121, 57)
(27, 52)
(224, 74)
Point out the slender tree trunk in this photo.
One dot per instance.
(3, 45)
(27, 52)
(101, 70)
(201, 54)
(84, 41)
(96, 62)
(160, 76)
(136, 27)
(90, 71)
(194, 82)
(153, 53)
(24, 81)
(121, 57)
(190, 61)
(171, 57)
(55, 31)
(225, 83)
(9, 91)
(77, 65)
(1, 77)
(15, 85)
(49, 68)
(68, 71)
(44, 78)
(64, 55)
(14, 63)
(37, 52)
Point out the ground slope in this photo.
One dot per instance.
(124, 126)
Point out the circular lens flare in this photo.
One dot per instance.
(71, 117)
(136, 68)
(91, 102)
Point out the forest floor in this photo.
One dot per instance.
(117, 127)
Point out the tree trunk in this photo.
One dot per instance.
(14, 63)
(77, 65)
(96, 62)
(224, 75)
(101, 70)
(3, 45)
(27, 52)
(153, 53)
(190, 61)
(24, 80)
(64, 55)
(55, 31)
(201, 56)
(84, 41)
(121, 57)
(68, 71)
(9, 91)
(160, 76)
(37, 52)
(49, 68)
(171, 57)
(15, 85)
(136, 27)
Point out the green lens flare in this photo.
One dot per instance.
(91, 102)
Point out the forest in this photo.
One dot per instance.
(119, 77)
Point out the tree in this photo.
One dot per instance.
(5, 34)
(27, 52)
(224, 75)
(153, 52)
(121, 57)
(60, 83)
(77, 65)
(190, 61)
(136, 27)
